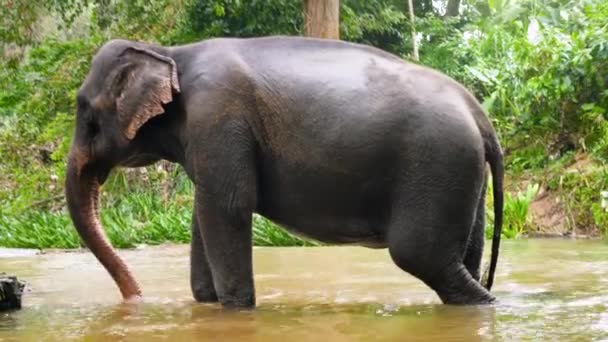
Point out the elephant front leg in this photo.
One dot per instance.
(226, 195)
(201, 280)
(228, 246)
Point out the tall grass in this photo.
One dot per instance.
(134, 219)
(266, 233)
(144, 217)
(516, 220)
(133, 214)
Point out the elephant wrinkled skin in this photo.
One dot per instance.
(340, 142)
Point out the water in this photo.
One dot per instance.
(548, 290)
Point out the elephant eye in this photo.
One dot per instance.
(82, 103)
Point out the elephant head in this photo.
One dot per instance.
(128, 84)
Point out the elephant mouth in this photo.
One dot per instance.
(139, 160)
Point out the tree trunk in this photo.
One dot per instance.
(453, 8)
(322, 18)
(410, 6)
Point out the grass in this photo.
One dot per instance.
(132, 216)
(139, 218)
(266, 233)
(144, 218)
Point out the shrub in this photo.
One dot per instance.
(543, 76)
(516, 219)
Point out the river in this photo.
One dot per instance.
(547, 290)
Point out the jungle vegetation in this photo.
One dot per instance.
(540, 68)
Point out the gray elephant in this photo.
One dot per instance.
(340, 142)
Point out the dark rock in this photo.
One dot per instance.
(11, 290)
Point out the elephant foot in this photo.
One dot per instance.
(460, 288)
(465, 299)
(206, 297)
(242, 302)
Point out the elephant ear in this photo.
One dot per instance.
(146, 82)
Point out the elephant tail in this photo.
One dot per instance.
(494, 157)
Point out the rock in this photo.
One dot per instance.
(11, 290)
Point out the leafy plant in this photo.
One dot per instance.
(516, 220)
(130, 220)
(543, 76)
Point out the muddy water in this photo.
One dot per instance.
(548, 289)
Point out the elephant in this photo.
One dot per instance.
(336, 141)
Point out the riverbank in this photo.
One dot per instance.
(11, 252)
(567, 201)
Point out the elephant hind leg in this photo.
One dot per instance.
(474, 251)
(429, 233)
(436, 259)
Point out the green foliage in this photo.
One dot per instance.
(37, 230)
(377, 23)
(546, 94)
(516, 220)
(266, 233)
(17, 19)
(129, 220)
(579, 190)
(442, 46)
(544, 72)
(154, 21)
(516, 211)
(237, 18)
(542, 69)
(37, 101)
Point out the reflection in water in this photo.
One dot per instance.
(548, 289)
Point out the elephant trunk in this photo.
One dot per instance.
(82, 193)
